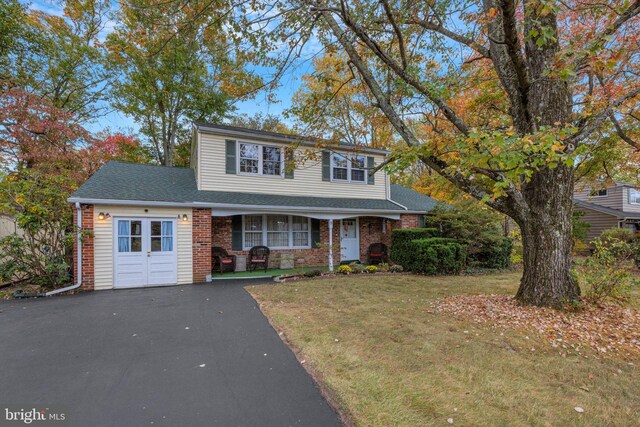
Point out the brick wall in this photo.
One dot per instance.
(221, 236)
(409, 221)
(87, 248)
(371, 231)
(201, 244)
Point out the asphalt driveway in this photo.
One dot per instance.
(184, 355)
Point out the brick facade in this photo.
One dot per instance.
(221, 236)
(87, 247)
(201, 239)
(372, 230)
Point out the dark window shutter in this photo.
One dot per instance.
(288, 163)
(231, 156)
(326, 166)
(315, 232)
(371, 179)
(236, 232)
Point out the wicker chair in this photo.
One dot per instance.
(258, 256)
(221, 261)
(377, 253)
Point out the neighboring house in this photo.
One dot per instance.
(614, 206)
(8, 226)
(156, 225)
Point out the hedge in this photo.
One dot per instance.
(401, 239)
(437, 255)
(493, 254)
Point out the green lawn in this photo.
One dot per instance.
(387, 358)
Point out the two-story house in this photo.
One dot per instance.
(153, 225)
(615, 206)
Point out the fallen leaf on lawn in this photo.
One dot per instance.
(579, 409)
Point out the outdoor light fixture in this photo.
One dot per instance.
(102, 216)
(185, 218)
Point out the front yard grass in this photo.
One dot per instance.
(386, 357)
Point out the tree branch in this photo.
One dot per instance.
(396, 28)
(432, 26)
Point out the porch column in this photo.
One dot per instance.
(330, 244)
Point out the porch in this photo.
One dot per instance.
(300, 242)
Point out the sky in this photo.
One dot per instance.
(117, 121)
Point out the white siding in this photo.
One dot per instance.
(8, 226)
(307, 179)
(103, 240)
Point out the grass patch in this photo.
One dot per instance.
(388, 358)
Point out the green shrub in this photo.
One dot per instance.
(401, 240)
(619, 242)
(396, 268)
(496, 254)
(605, 274)
(344, 269)
(312, 273)
(436, 255)
(383, 267)
(480, 229)
(356, 267)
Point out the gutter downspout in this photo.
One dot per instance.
(78, 261)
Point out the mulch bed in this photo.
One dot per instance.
(605, 328)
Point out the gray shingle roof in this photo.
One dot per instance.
(133, 182)
(411, 199)
(610, 211)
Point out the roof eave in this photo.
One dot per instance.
(228, 206)
(283, 139)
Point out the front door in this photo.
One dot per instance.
(349, 240)
(144, 252)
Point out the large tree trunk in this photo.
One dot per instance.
(547, 222)
(547, 240)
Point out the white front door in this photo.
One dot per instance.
(144, 252)
(349, 240)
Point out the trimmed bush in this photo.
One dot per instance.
(312, 273)
(494, 255)
(401, 240)
(436, 255)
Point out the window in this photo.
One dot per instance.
(276, 231)
(634, 196)
(161, 236)
(598, 193)
(129, 236)
(348, 168)
(260, 159)
(252, 230)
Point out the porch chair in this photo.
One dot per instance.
(221, 261)
(258, 255)
(377, 253)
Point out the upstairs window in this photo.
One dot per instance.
(260, 159)
(598, 193)
(634, 196)
(348, 168)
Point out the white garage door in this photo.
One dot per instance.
(144, 252)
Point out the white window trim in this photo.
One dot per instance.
(629, 196)
(349, 167)
(290, 231)
(260, 159)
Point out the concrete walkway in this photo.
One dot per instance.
(195, 355)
